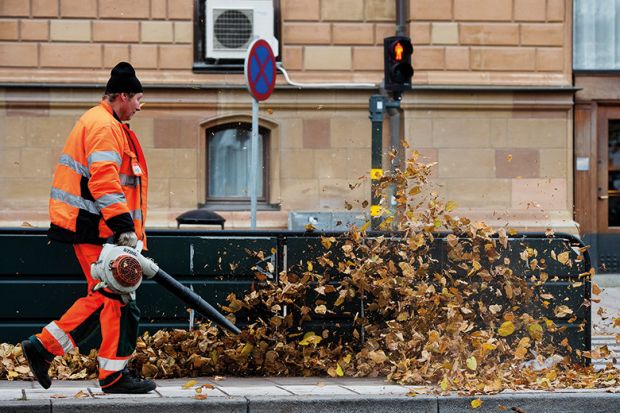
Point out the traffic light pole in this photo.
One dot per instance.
(398, 72)
(397, 156)
(376, 107)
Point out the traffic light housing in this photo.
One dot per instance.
(397, 63)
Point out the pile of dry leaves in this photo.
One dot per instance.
(467, 320)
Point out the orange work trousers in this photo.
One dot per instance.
(118, 323)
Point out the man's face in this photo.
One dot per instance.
(129, 105)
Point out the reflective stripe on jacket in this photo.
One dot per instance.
(100, 183)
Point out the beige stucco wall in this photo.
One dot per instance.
(504, 155)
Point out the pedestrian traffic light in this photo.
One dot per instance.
(397, 63)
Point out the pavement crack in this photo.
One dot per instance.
(286, 390)
(348, 389)
(222, 390)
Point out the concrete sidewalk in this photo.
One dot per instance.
(290, 395)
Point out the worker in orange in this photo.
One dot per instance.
(99, 194)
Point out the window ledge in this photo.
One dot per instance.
(223, 206)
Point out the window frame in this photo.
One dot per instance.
(577, 46)
(238, 202)
(202, 64)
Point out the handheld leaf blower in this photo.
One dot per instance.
(121, 270)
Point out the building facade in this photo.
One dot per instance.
(492, 103)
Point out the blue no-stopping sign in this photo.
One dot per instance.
(260, 69)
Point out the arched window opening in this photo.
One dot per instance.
(228, 164)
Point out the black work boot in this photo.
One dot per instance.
(128, 383)
(38, 364)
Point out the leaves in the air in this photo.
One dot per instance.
(472, 316)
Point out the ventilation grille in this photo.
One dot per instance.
(232, 29)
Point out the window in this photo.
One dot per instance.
(228, 165)
(596, 35)
(223, 30)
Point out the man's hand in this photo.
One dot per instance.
(127, 239)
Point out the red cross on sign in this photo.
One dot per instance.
(260, 70)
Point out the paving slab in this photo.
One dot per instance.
(609, 306)
(249, 391)
(17, 384)
(287, 381)
(236, 381)
(11, 394)
(56, 393)
(309, 390)
(299, 395)
(391, 390)
(98, 394)
(179, 391)
(371, 381)
(71, 383)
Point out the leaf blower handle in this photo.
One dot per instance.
(191, 298)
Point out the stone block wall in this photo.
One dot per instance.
(79, 40)
(502, 153)
(456, 41)
(505, 158)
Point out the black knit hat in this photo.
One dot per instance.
(123, 80)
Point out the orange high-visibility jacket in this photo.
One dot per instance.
(100, 183)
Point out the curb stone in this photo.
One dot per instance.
(25, 406)
(534, 403)
(161, 405)
(343, 404)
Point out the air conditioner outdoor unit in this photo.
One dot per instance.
(231, 25)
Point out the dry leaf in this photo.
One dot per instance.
(472, 363)
(444, 384)
(424, 320)
(563, 258)
(535, 331)
(320, 309)
(189, 384)
(506, 329)
(562, 311)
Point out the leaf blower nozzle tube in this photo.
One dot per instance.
(121, 268)
(193, 300)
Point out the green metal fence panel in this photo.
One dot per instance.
(40, 280)
(564, 281)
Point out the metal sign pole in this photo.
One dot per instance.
(260, 76)
(254, 162)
